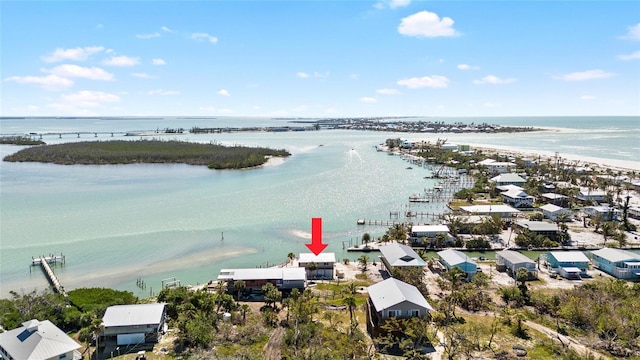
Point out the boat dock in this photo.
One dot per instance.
(43, 262)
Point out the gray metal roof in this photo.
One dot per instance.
(538, 225)
(36, 340)
(569, 256)
(454, 257)
(616, 255)
(391, 292)
(138, 314)
(552, 208)
(509, 177)
(514, 257)
(401, 255)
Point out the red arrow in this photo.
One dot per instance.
(316, 245)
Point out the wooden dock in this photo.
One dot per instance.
(43, 262)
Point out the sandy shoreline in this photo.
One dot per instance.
(578, 160)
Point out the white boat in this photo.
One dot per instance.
(418, 198)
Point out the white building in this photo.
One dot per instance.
(418, 232)
(38, 340)
(517, 199)
(319, 266)
(500, 167)
(135, 324)
(504, 211)
(595, 195)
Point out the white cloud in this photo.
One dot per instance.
(204, 37)
(587, 97)
(163, 92)
(74, 54)
(50, 82)
(331, 111)
(633, 56)
(166, 29)
(299, 108)
(208, 109)
(87, 98)
(392, 4)
(467, 67)
(494, 80)
(368, 99)
(434, 81)
(354, 76)
(71, 70)
(121, 61)
(399, 3)
(143, 76)
(585, 75)
(388, 91)
(223, 92)
(158, 62)
(148, 36)
(321, 75)
(633, 33)
(33, 108)
(302, 75)
(426, 24)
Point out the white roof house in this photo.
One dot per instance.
(319, 266)
(517, 198)
(509, 187)
(320, 258)
(37, 340)
(132, 315)
(390, 293)
(551, 211)
(263, 274)
(504, 211)
(418, 232)
(586, 194)
(620, 263)
(396, 255)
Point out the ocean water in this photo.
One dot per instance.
(118, 223)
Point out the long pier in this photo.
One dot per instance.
(43, 262)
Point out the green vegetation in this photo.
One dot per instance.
(20, 140)
(213, 156)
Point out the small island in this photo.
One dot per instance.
(20, 140)
(214, 156)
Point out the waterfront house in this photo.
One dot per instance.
(543, 228)
(518, 199)
(619, 263)
(398, 256)
(319, 266)
(512, 261)
(503, 211)
(508, 179)
(591, 195)
(419, 232)
(569, 264)
(392, 298)
(255, 278)
(555, 199)
(38, 340)
(138, 324)
(552, 212)
(451, 258)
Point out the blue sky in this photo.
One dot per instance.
(320, 58)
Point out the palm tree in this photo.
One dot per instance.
(363, 261)
(245, 308)
(366, 238)
(350, 301)
(291, 256)
(239, 286)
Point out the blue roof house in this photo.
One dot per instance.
(453, 258)
(569, 264)
(619, 263)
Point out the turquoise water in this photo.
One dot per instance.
(119, 223)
